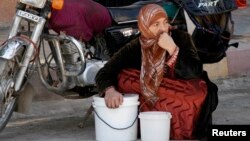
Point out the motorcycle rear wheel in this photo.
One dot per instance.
(8, 100)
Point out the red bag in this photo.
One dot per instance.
(81, 19)
(182, 98)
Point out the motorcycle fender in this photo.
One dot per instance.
(9, 49)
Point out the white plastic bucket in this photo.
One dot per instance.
(155, 126)
(118, 124)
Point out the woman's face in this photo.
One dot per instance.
(159, 26)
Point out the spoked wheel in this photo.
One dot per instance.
(7, 98)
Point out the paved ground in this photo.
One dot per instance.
(53, 118)
(57, 119)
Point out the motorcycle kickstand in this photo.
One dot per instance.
(86, 117)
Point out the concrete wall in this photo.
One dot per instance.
(235, 64)
(7, 10)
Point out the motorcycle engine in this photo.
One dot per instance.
(71, 62)
(88, 76)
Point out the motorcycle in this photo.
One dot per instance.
(67, 64)
(64, 63)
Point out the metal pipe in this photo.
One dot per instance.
(63, 87)
(15, 26)
(29, 53)
(79, 48)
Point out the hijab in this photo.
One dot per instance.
(153, 56)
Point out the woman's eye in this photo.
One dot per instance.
(155, 24)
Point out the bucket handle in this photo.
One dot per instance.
(115, 127)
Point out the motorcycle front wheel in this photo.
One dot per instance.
(8, 100)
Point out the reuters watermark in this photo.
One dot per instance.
(226, 131)
(217, 132)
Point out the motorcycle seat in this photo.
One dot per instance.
(128, 14)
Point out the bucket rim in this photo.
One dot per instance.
(126, 97)
(124, 104)
(155, 115)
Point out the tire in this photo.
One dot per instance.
(8, 100)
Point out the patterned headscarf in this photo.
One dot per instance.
(153, 56)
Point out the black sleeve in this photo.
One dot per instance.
(128, 56)
(188, 64)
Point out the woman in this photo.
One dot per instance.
(163, 67)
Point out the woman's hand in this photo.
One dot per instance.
(166, 42)
(113, 98)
